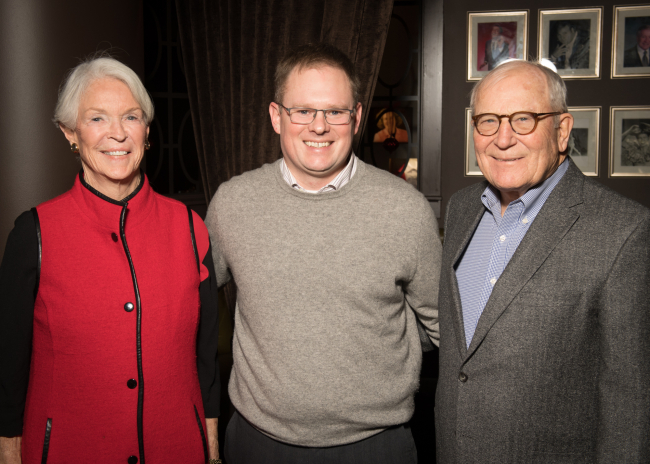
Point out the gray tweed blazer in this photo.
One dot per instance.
(558, 370)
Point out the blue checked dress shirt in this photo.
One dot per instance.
(494, 242)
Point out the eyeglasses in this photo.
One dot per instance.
(522, 122)
(333, 116)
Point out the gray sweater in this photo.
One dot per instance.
(326, 349)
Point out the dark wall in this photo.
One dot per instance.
(40, 40)
(603, 92)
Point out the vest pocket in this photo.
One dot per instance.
(46, 442)
(205, 443)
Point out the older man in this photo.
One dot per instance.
(544, 294)
(334, 260)
(639, 54)
(497, 48)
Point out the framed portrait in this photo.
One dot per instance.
(571, 40)
(493, 37)
(584, 140)
(631, 41)
(471, 164)
(391, 132)
(629, 151)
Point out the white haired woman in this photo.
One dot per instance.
(108, 303)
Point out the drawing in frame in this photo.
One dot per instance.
(471, 164)
(571, 40)
(629, 151)
(584, 140)
(631, 41)
(493, 37)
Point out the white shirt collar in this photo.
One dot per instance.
(339, 181)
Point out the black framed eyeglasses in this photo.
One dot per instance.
(522, 122)
(333, 116)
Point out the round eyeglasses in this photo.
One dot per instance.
(333, 116)
(522, 122)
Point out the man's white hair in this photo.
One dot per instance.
(555, 84)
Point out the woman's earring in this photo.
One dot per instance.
(74, 148)
(147, 145)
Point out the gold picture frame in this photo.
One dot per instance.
(504, 33)
(471, 164)
(629, 141)
(584, 141)
(627, 30)
(571, 40)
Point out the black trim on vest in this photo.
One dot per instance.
(137, 334)
(109, 199)
(46, 441)
(205, 443)
(196, 252)
(37, 224)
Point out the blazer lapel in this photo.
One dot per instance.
(456, 240)
(555, 219)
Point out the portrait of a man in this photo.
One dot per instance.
(631, 47)
(569, 43)
(493, 38)
(496, 43)
(637, 53)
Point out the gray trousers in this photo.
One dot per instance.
(244, 444)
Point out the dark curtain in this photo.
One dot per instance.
(230, 50)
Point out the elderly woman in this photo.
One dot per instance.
(108, 306)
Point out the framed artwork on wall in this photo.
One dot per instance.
(584, 139)
(631, 41)
(571, 40)
(629, 151)
(493, 37)
(471, 164)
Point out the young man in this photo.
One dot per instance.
(334, 260)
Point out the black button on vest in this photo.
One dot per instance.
(131, 383)
(114, 237)
(132, 460)
(128, 307)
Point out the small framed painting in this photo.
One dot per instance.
(471, 164)
(584, 141)
(571, 39)
(629, 151)
(631, 41)
(493, 37)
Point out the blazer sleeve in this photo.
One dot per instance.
(624, 381)
(207, 338)
(18, 287)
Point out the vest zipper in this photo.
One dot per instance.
(137, 334)
(46, 441)
(205, 443)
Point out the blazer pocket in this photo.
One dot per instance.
(562, 446)
(553, 297)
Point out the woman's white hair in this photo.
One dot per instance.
(81, 76)
(555, 84)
